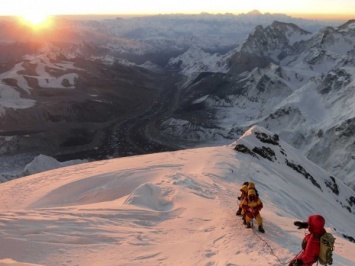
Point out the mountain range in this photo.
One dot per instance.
(293, 82)
(117, 87)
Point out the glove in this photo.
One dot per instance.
(301, 225)
(239, 198)
(297, 262)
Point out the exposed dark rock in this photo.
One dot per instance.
(351, 201)
(345, 207)
(334, 81)
(320, 134)
(263, 137)
(242, 148)
(346, 129)
(283, 152)
(265, 152)
(299, 168)
(332, 185)
(350, 238)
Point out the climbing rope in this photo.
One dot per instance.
(272, 251)
(263, 240)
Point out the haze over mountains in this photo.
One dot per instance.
(109, 88)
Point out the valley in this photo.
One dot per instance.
(123, 87)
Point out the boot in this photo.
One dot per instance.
(261, 229)
(244, 221)
(239, 212)
(248, 225)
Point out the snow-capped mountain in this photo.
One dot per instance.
(117, 87)
(268, 45)
(195, 60)
(295, 83)
(174, 208)
(179, 32)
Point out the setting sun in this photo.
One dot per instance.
(36, 20)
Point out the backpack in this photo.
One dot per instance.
(326, 249)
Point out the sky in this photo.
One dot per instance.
(174, 208)
(64, 7)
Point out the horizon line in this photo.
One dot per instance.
(315, 16)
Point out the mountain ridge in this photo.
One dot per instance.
(305, 70)
(173, 207)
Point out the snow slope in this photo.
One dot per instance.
(175, 208)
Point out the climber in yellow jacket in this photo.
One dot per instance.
(243, 195)
(251, 206)
(251, 185)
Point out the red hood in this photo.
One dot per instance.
(316, 224)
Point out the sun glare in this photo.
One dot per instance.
(36, 21)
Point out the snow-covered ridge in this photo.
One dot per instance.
(43, 163)
(350, 25)
(173, 208)
(272, 149)
(16, 166)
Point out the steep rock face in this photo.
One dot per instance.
(334, 82)
(335, 151)
(273, 39)
(267, 45)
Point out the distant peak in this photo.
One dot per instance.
(285, 25)
(350, 25)
(254, 12)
